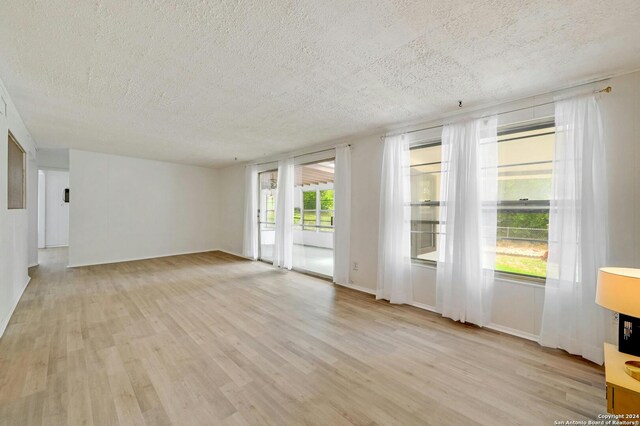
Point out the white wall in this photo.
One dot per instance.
(621, 113)
(16, 226)
(126, 208)
(53, 159)
(56, 217)
(231, 209)
(517, 306)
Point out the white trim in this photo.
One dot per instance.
(358, 288)
(108, 262)
(52, 169)
(5, 321)
(514, 279)
(523, 281)
(55, 246)
(33, 264)
(426, 264)
(236, 254)
(491, 326)
(512, 331)
(425, 307)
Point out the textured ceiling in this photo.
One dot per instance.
(202, 82)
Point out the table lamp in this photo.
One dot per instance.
(619, 290)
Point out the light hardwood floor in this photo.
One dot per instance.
(212, 339)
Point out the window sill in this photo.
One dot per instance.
(520, 279)
(500, 276)
(429, 264)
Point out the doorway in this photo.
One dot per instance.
(268, 185)
(313, 218)
(53, 208)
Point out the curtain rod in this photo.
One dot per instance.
(607, 89)
(302, 155)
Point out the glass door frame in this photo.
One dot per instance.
(317, 226)
(260, 222)
(259, 195)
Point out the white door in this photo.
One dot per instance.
(56, 210)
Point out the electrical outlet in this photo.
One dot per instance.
(355, 266)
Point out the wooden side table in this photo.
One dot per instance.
(623, 391)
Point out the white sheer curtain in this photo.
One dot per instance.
(578, 223)
(283, 247)
(467, 239)
(342, 220)
(394, 238)
(250, 240)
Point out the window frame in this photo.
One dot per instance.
(11, 139)
(542, 206)
(266, 209)
(311, 227)
(317, 227)
(429, 203)
(270, 198)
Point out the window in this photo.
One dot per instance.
(314, 197)
(309, 204)
(16, 175)
(425, 200)
(317, 210)
(525, 157)
(270, 210)
(326, 210)
(313, 203)
(267, 210)
(268, 187)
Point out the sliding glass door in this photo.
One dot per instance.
(313, 217)
(267, 214)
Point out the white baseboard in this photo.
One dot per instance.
(5, 321)
(133, 259)
(425, 307)
(492, 326)
(512, 331)
(359, 288)
(234, 254)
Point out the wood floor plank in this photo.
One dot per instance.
(213, 339)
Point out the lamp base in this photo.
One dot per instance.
(629, 335)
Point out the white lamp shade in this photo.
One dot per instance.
(619, 290)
